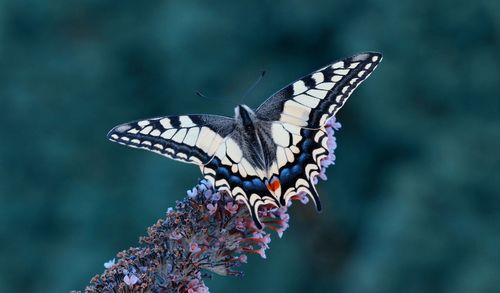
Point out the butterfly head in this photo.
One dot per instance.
(245, 116)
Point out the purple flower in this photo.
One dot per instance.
(109, 263)
(280, 212)
(240, 224)
(216, 196)
(303, 198)
(261, 251)
(264, 240)
(193, 192)
(212, 208)
(175, 235)
(243, 258)
(197, 286)
(333, 124)
(206, 183)
(194, 248)
(130, 279)
(281, 230)
(322, 175)
(208, 194)
(231, 207)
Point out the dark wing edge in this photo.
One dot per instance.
(312, 99)
(188, 138)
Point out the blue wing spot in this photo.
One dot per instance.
(303, 158)
(235, 180)
(296, 170)
(256, 182)
(285, 174)
(223, 171)
(306, 132)
(247, 185)
(307, 145)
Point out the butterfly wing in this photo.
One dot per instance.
(311, 100)
(206, 140)
(235, 169)
(188, 138)
(299, 152)
(297, 115)
(299, 112)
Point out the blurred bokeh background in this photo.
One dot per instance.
(412, 204)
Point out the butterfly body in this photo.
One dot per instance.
(263, 156)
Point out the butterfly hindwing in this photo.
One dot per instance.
(297, 173)
(188, 138)
(299, 152)
(311, 100)
(250, 189)
(238, 168)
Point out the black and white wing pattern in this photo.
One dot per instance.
(298, 113)
(188, 138)
(311, 100)
(261, 157)
(295, 154)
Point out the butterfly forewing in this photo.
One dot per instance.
(311, 100)
(188, 138)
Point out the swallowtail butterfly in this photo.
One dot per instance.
(263, 156)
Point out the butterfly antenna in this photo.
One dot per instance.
(201, 95)
(252, 87)
(210, 98)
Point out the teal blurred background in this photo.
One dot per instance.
(412, 204)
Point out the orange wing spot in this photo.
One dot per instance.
(274, 184)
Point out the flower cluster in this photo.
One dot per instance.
(206, 232)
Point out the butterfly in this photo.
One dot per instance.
(263, 156)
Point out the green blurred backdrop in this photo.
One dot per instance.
(412, 204)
